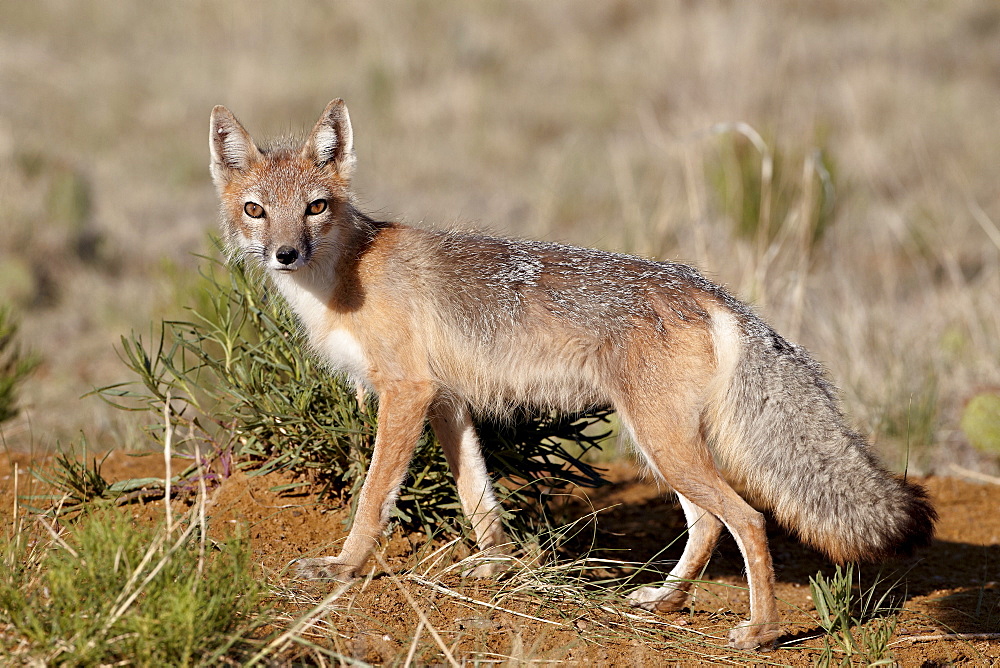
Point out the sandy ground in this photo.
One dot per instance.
(950, 588)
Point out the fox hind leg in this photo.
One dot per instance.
(452, 424)
(675, 447)
(703, 533)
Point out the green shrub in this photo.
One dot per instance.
(241, 382)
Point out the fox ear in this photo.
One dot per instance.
(231, 146)
(331, 141)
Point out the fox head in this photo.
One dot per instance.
(282, 205)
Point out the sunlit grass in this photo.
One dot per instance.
(102, 590)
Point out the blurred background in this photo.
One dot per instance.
(834, 163)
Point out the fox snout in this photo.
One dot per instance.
(286, 257)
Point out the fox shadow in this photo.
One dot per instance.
(966, 575)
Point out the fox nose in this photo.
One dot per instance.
(286, 255)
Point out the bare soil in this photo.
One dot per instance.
(951, 588)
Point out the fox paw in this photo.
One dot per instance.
(324, 568)
(754, 636)
(658, 599)
(487, 568)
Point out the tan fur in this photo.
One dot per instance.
(439, 322)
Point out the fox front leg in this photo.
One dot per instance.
(401, 414)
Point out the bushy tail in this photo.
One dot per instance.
(777, 428)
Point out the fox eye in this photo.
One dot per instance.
(253, 210)
(316, 207)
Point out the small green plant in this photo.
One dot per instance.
(15, 365)
(981, 422)
(243, 383)
(106, 592)
(839, 611)
(69, 200)
(759, 186)
(79, 482)
(78, 485)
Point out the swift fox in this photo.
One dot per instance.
(439, 322)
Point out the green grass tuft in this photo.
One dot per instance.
(15, 365)
(858, 627)
(765, 189)
(107, 591)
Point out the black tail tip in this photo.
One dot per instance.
(917, 529)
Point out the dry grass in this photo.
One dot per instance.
(581, 122)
